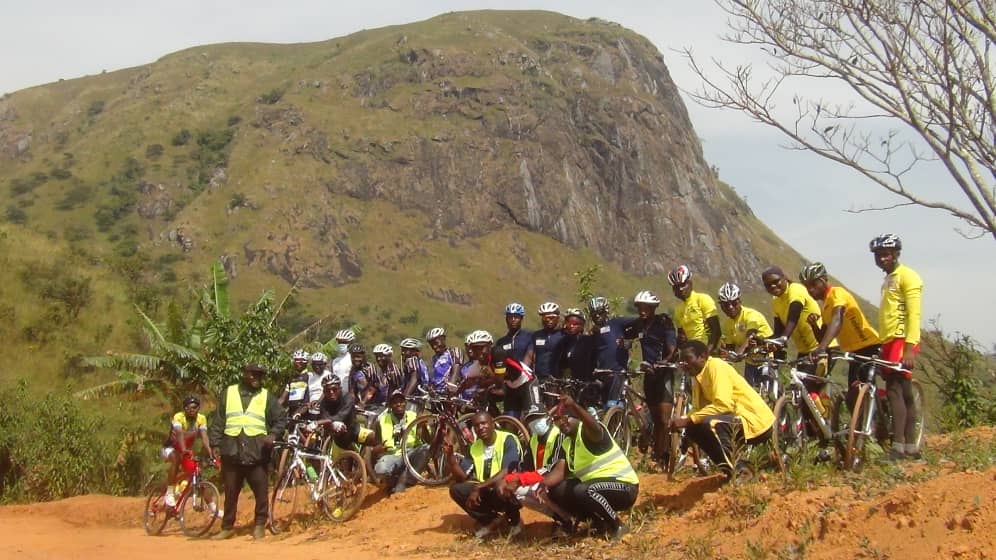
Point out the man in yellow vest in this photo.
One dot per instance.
(725, 408)
(390, 426)
(244, 427)
(478, 477)
(595, 480)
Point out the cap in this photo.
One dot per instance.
(254, 368)
(396, 394)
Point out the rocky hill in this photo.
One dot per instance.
(393, 168)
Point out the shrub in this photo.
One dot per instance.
(153, 151)
(234, 120)
(76, 196)
(15, 215)
(271, 96)
(96, 108)
(182, 138)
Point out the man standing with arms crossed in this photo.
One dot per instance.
(245, 426)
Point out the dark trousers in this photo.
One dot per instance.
(598, 500)
(233, 476)
(716, 436)
(492, 505)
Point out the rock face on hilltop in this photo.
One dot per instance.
(477, 122)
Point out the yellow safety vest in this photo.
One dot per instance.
(386, 422)
(477, 454)
(252, 420)
(548, 450)
(585, 465)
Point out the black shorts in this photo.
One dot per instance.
(658, 386)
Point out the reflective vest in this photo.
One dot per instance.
(585, 465)
(252, 420)
(477, 454)
(386, 422)
(548, 450)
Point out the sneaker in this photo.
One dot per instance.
(216, 510)
(170, 499)
(914, 456)
(894, 456)
(619, 532)
(488, 530)
(258, 532)
(515, 530)
(823, 456)
(224, 535)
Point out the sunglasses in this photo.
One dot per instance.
(772, 283)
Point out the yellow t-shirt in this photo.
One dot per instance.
(189, 432)
(855, 331)
(690, 315)
(899, 312)
(719, 389)
(803, 337)
(749, 319)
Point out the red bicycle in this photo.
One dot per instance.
(196, 505)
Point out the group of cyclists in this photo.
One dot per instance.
(572, 469)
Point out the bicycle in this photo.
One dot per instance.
(444, 424)
(797, 415)
(338, 488)
(629, 421)
(197, 498)
(679, 449)
(864, 422)
(769, 384)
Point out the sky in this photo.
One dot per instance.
(802, 197)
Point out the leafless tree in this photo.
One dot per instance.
(924, 63)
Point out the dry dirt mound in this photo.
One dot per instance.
(950, 516)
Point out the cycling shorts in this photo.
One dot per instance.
(658, 386)
(892, 351)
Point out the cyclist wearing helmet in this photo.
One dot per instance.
(337, 413)
(611, 351)
(185, 427)
(842, 320)
(476, 373)
(517, 343)
(342, 365)
(899, 330)
(413, 368)
(369, 386)
(742, 326)
(658, 342)
(695, 315)
(790, 304)
(445, 363)
(319, 372)
(295, 393)
(577, 351)
(546, 342)
(385, 368)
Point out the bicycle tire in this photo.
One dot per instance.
(196, 516)
(286, 499)
(342, 499)
(854, 453)
(514, 426)
(788, 435)
(156, 513)
(436, 471)
(614, 420)
(674, 452)
(919, 398)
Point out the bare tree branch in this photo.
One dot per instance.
(923, 63)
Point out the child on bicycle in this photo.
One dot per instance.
(178, 449)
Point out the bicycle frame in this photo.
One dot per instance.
(799, 393)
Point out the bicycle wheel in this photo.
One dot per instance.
(921, 418)
(854, 452)
(436, 470)
(157, 513)
(675, 455)
(289, 499)
(788, 435)
(514, 426)
(345, 487)
(615, 421)
(199, 509)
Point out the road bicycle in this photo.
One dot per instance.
(872, 415)
(444, 424)
(628, 422)
(196, 506)
(336, 487)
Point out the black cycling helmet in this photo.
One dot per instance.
(885, 241)
(357, 348)
(191, 399)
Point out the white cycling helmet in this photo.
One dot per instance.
(648, 297)
(410, 343)
(319, 358)
(679, 275)
(597, 304)
(345, 335)
(383, 349)
(480, 337)
(300, 354)
(548, 308)
(515, 308)
(574, 312)
(434, 333)
(729, 292)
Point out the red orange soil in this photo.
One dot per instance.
(950, 516)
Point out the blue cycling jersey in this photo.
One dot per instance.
(546, 350)
(516, 344)
(610, 352)
(658, 337)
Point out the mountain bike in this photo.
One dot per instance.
(768, 384)
(628, 422)
(679, 448)
(337, 488)
(196, 506)
(872, 415)
(444, 424)
(798, 418)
